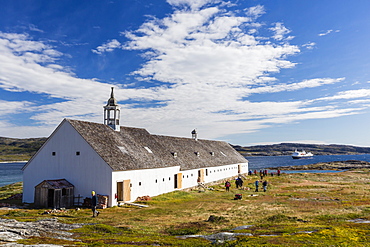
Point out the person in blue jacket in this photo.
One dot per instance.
(256, 183)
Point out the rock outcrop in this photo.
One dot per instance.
(12, 230)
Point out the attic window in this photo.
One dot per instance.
(148, 149)
(174, 154)
(123, 150)
(223, 153)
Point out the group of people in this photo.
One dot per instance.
(264, 173)
(239, 184)
(264, 184)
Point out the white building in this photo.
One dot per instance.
(125, 163)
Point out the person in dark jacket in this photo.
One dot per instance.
(264, 185)
(94, 204)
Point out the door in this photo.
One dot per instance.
(50, 198)
(178, 181)
(119, 191)
(201, 175)
(126, 190)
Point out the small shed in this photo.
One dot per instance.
(54, 194)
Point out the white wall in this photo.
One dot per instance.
(86, 171)
(153, 182)
(146, 182)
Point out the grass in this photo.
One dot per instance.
(297, 210)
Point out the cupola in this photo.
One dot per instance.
(112, 113)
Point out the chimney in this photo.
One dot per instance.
(194, 135)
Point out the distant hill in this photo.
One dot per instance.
(288, 149)
(13, 149)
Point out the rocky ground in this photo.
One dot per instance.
(334, 165)
(12, 230)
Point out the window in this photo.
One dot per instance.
(156, 181)
(78, 153)
(148, 149)
(139, 183)
(64, 192)
(53, 153)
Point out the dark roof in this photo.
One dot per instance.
(135, 148)
(56, 184)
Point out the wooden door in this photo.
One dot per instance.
(126, 190)
(201, 175)
(119, 191)
(178, 181)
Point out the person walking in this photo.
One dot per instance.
(256, 184)
(240, 182)
(94, 204)
(227, 185)
(264, 184)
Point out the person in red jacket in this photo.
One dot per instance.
(227, 185)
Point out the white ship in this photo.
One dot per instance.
(302, 154)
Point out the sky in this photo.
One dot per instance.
(248, 72)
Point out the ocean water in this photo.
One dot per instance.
(260, 162)
(12, 173)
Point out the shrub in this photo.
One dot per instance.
(183, 231)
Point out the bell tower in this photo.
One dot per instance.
(112, 113)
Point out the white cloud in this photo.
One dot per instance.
(107, 47)
(328, 32)
(256, 11)
(208, 57)
(309, 45)
(280, 31)
(193, 4)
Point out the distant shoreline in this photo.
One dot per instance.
(20, 161)
(333, 165)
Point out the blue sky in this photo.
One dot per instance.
(246, 72)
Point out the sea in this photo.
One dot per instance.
(12, 173)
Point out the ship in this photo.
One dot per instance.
(302, 154)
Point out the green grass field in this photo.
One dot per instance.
(297, 210)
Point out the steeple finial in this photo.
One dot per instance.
(112, 101)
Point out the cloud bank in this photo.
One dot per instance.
(203, 63)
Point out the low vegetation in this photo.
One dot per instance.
(13, 149)
(305, 209)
